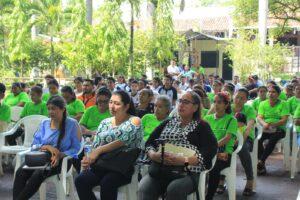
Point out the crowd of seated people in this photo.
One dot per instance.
(184, 107)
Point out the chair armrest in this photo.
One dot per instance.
(20, 159)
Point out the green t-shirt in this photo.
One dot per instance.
(5, 113)
(273, 114)
(297, 116)
(149, 123)
(92, 118)
(219, 126)
(12, 100)
(250, 114)
(34, 109)
(46, 96)
(200, 70)
(75, 107)
(203, 112)
(282, 96)
(255, 104)
(293, 103)
(211, 97)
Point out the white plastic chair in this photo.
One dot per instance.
(31, 124)
(253, 154)
(65, 183)
(230, 172)
(285, 142)
(295, 151)
(128, 191)
(202, 183)
(15, 113)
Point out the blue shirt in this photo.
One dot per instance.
(69, 145)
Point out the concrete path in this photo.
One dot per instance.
(276, 185)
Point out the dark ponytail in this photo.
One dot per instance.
(60, 103)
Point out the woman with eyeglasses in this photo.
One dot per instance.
(224, 127)
(189, 131)
(95, 114)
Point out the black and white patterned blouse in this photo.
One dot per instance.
(197, 136)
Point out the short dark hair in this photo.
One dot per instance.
(49, 76)
(53, 82)
(134, 82)
(39, 85)
(230, 86)
(78, 78)
(89, 80)
(103, 91)
(97, 79)
(276, 88)
(69, 90)
(272, 82)
(37, 90)
(2, 88)
(245, 91)
(111, 79)
(23, 85)
(168, 76)
(17, 84)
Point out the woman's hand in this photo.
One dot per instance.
(85, 163)
(55, 158)
(222, 156)
(56, 155)
(154, 156)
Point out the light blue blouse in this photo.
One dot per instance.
(69, 145)
(128, 133)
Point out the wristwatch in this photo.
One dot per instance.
(186, 161)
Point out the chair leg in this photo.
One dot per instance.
(231, 181)
(202, 186)
(286, 153)
(60, 190)
(42, 191)
(1, 167)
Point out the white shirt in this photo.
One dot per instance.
(173, 69)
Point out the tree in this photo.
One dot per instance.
(6, 7)
(246, 11)
(249, 56)
(113, 37)
(49, 19)
(164, 38)
(19, 42)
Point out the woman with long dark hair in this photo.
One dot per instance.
(224, 127)
(75, 107)
(123, 129)
(272, 116)
(60, 136)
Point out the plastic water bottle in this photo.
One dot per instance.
(87, 148)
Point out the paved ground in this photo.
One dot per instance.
(276, 185)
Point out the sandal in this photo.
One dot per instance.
(261, 169)
(248, 192)
(221, 189)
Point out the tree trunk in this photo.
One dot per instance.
(131, 39)
(89, 11)
(52, 55)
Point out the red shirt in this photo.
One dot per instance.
(88, 100)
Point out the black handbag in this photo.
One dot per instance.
(119, 160)
(157, 170)
(37, 158)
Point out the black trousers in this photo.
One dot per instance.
(27, 182)
(109, 182)
(263, 153)
(214, 177)
(11, 139)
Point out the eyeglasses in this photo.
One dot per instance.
(185, 102)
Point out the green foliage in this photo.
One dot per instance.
(250, 57)
(246, 12)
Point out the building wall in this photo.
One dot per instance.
(209, 45)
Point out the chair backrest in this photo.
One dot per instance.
(15, 113)
(259, 130)
(31, 125)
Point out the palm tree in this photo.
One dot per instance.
(49, 19)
